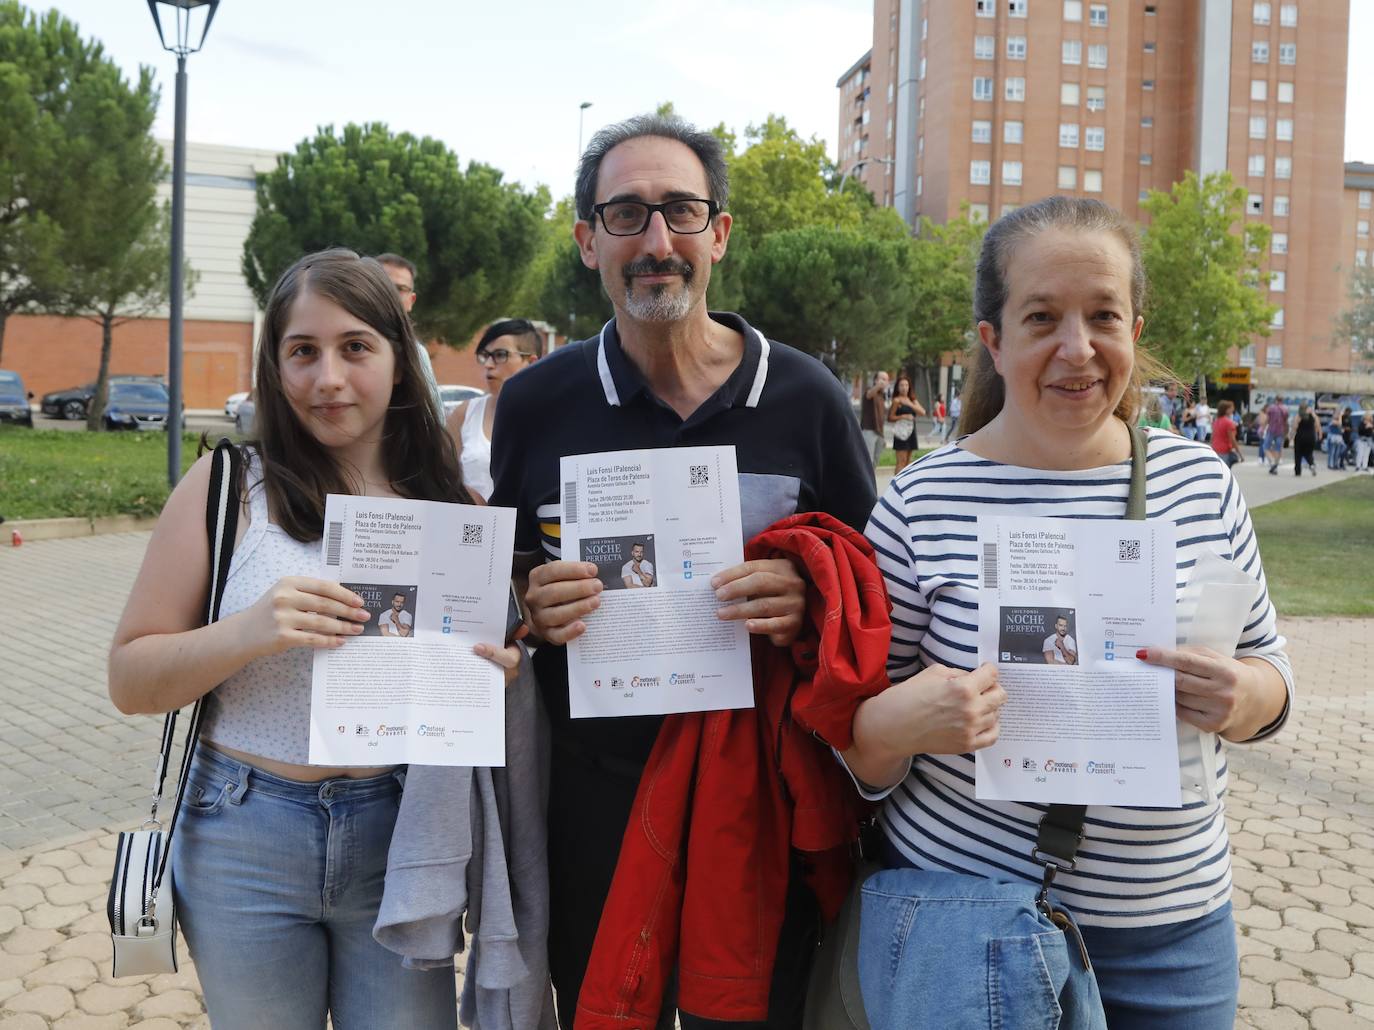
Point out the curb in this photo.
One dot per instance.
(61, 529)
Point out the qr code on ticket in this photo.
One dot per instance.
(472, 533)
(1128, 550)
(701, 475)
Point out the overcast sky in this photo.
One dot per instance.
(501, 81)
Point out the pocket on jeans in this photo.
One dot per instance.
(205, 795)
(1022, 994)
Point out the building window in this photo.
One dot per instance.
(1288, 53)
(1016, 48)
(982, 88)
(1285, 92)
(868, 112)
(1097, 55)
(1278, 243)
(1361, 258)
(1283, 129)
(1068, 93)
(1143, 196)
(1288, 15)
(1273, 353)
(982, 132)
(925, 24)
(1259, 89)
(922, 73)
(980, 172)
(1147, 85)
(985, 8)
(1097, 98)
(1276, 322)
(1366, 199)
(984, 47)
(1095, 138)
(1147, 159)
(1259, 126)
(1068, 134)
(1261, 14)
(1247, 356)
(1068, 177)
(1072, 51)
(1147, 122)
(1281, 207)
(1097, 14)
(920, 149)
(1254, 204)
(1016, 8)
(1255, 166)
(1362, 227)
(1259, 53)
(1278, 281)
(889, 128)
(1011, 173)
(1283, 168)
(1149, 48)
(1015, 88)
(889, 92)
(977, 212)
(1013, 132)
(1008, 209)
(1073, 10)
(919, 185)
(1092, 181)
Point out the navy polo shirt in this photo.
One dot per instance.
(797, 447)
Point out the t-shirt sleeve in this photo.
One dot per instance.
(508, 445)
(891, 539)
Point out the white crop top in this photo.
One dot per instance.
(476, 456)
(264, 708)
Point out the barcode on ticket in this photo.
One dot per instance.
(989, 566)
(700, 475)
(333, 544)
(569, 502)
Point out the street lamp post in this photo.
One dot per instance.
(581, 110)
(181, 11)
(859, 164)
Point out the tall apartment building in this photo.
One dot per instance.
(996, 103)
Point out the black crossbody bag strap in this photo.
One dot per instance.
(1061, 827)
(221, 527)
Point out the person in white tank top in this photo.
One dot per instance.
(505, 348)
(278, 865)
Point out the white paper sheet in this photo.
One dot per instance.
(436, 578)
(1063, 606)
(658, 524)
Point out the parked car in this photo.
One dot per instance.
(231, 404)
(137, 406)
(243, 417)
(455, 395)
(73, 402)
(14, 400)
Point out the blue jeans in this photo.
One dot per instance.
(277, 887)
(1335, 452)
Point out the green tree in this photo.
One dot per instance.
(1203, 264)
(943, 261)
(557, 287)
(42, 58)
(469, 233)
(832, 291)
(1355, 325)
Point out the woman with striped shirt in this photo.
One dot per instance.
(1055, 384)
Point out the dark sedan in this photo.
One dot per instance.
(73, 402)
(14, 400)
(137, 406)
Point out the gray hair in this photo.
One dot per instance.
(706, 147)
(1078, 213)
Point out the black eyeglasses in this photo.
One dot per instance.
(499, 356)
(686, 217)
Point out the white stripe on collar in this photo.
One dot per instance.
(603, 368)
(761, 373)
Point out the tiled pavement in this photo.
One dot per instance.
(72, 770)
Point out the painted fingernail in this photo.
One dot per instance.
(1142, 654)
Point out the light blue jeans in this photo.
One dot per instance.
(277, 887)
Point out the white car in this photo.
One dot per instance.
(455, 395)
(231, 405)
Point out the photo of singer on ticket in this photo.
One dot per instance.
(1064, 604)
(658, 524)
(435, 580)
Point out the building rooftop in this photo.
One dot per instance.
(867, 57)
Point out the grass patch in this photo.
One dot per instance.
(1317, 550)
(889, 457)
(53, 473)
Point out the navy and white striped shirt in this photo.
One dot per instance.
(1136, 866)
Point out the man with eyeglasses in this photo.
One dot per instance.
(401, 272)
(665, 371)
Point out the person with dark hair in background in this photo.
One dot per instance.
(401, 272)
(873, 417)
(652, 219)
(1305, 441)
(902, 414)
(278, 864)
(506, 347)
(1225, 436)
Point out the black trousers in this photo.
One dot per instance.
(589, 807)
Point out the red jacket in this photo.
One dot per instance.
(726, 796)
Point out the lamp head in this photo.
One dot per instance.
(182, 12)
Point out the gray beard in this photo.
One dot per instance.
(659, 305)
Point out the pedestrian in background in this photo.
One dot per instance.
(1364, 442)
(1202, 418)
(1275, 434)
(903, 414)
(401, 272)
(1305, 441)
(1224, 438)
(1335, 443)
(941, 415)
(873, 417)
(956, 409)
